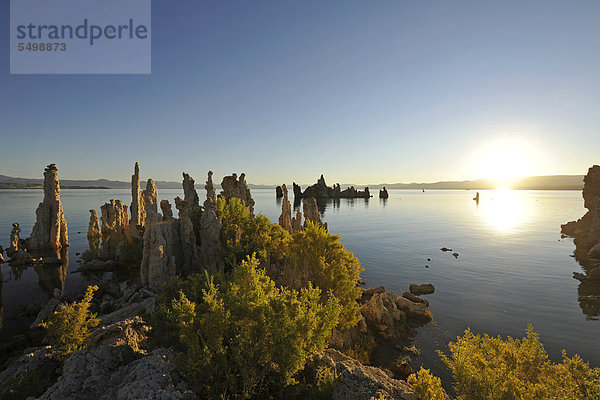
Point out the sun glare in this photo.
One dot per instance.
(504, 161)
(505, 209)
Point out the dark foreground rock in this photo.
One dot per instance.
(114, 372)
(586, 230)
(426, 288)
(361, 382)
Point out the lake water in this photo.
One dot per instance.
(513, 267)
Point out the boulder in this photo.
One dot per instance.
(426, 288)
(360, 382)
(383, 193)
(115, 372)
(30, 374)
(279, 192)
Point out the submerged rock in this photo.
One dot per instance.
(426, 288)
(50, 229)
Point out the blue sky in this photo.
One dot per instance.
(364, 92)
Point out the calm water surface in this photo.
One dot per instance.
(513, 269)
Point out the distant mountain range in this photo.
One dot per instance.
(550, 182)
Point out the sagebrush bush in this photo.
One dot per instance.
(491, 368)
(69, 327)
(246, 335)
(316, 256)
(426, 386)
(242, 233)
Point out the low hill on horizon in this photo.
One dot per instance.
(546, 182)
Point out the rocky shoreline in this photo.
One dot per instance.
(119, 361)
(586, 236)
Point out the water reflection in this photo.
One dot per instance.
(504, 209)
(51, 274)
(324, 204)
(588, 296)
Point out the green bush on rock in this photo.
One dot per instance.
(245, 335)
(69, 327)
(491, 368)
(317, 257)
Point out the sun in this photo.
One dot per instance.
(504, 161)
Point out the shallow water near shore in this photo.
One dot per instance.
(513, 268)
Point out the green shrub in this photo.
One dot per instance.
(242, 234)
(325, 380)
(69, 327)
(317, 257)
(246, 335)
(485, 367)
(426, 386)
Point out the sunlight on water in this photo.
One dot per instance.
(505, 210)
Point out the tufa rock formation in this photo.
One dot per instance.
(285, 219)
(138, 209)
(297, 191)
(210, 230)
(297, 221)
(232, 187)
(189, 247)
(93, 233)
(158, 262)
(311, 212)
(14, 240)
(114, 225)
(50, 229)
(586, 230)
(320, 190)
(383, 193)
(279, 192)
